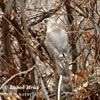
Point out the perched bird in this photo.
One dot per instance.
(56, 39)
(57, 45)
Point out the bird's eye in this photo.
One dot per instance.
(46, 20)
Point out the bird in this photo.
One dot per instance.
(56, 43)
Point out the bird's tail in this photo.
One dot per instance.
(64, 71)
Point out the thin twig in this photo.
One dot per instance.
(59, 86)
(24, 72)
(41, 82)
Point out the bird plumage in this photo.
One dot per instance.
(57, 45)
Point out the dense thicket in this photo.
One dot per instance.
(32, 67)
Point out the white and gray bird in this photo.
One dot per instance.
(56, 39)
(57, 44)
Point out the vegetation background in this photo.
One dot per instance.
(24, 58)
